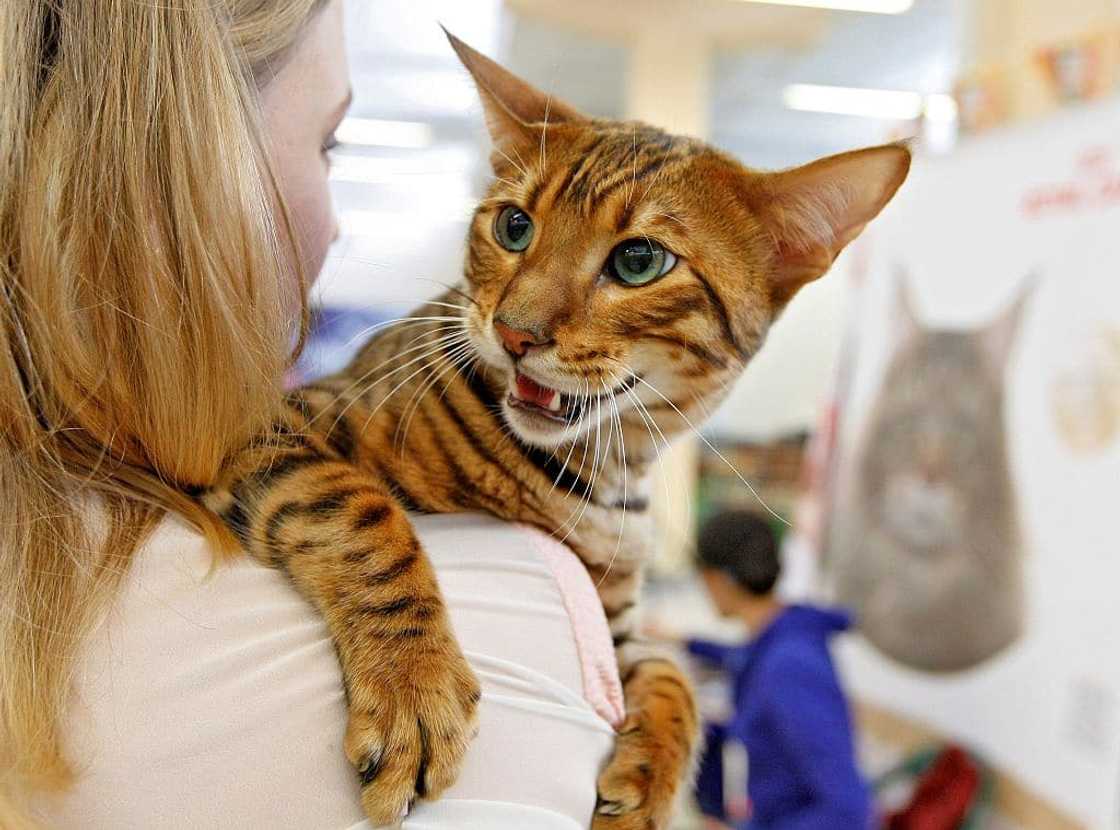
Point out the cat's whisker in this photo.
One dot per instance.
(519, 167)
(524, 166)
(411, 408)
(596, 468)
(666, 444)
(633, 165)
(543, 159)
(452, 288)
(585, 401)
(661, 168)
(564, 465)
(712, 447)
(454, 331)
(443, 331)
(671, 218)
(415, 302)
(625, 494)
(355, 399)
(400, 385)
(651, 424)
(469, 361)
(446, 333)
(446, 305)
(583, 405)
(474, 367)
(453, 335)
(597, 473)
(702, 405)
(396, 321)
(412, 405)
(581, 505)
(577, 407)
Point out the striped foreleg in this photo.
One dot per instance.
(656, 745)
(349, 548)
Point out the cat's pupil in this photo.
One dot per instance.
(636, 257)
(517, 225)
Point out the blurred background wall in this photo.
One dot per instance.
(1014, 106)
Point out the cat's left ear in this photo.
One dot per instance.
(811, 212)
(998, 337)
(516, 113)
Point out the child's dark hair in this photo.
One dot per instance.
(742, 545)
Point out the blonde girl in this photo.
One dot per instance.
(163, 204)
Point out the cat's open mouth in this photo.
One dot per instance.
(531, 396)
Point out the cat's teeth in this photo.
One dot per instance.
(554, 404)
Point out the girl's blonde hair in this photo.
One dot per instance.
(144, 327)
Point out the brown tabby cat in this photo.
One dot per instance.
(618, 279)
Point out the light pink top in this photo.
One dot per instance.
(216, 702)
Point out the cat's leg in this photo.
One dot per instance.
(657, 742)
(349, 548)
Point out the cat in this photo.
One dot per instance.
(617, 279)
(927, 551)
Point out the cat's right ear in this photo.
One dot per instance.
(517, 114)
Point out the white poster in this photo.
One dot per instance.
(976, 520)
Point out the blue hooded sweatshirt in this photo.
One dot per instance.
(792, 715)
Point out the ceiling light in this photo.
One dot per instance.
(870, 103)
(373, 132)
(871, 6)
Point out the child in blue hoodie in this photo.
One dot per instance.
(789, 709)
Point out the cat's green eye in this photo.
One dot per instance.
(640, 261)
(513, 229)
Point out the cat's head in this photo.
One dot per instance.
(936, 445)
(613, 263)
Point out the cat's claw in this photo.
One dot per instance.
(637, 788)
(613, 808)
(407, 738)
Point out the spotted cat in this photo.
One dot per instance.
(617, 280)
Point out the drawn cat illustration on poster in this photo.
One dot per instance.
(925, 547)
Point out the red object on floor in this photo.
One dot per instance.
(943, 795)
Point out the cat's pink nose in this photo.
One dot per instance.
(517, 341)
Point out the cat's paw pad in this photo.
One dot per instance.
(408, 739)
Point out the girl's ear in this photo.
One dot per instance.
(517, 114)
(811, 212)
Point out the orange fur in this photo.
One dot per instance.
(423, 418)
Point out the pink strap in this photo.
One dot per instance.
(601, 686)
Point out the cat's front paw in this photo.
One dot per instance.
(638, 787)
(410, 729)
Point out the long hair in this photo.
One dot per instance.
(144, 322)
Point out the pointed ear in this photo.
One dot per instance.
(516, 113)
(812, 212)
(997, 338)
